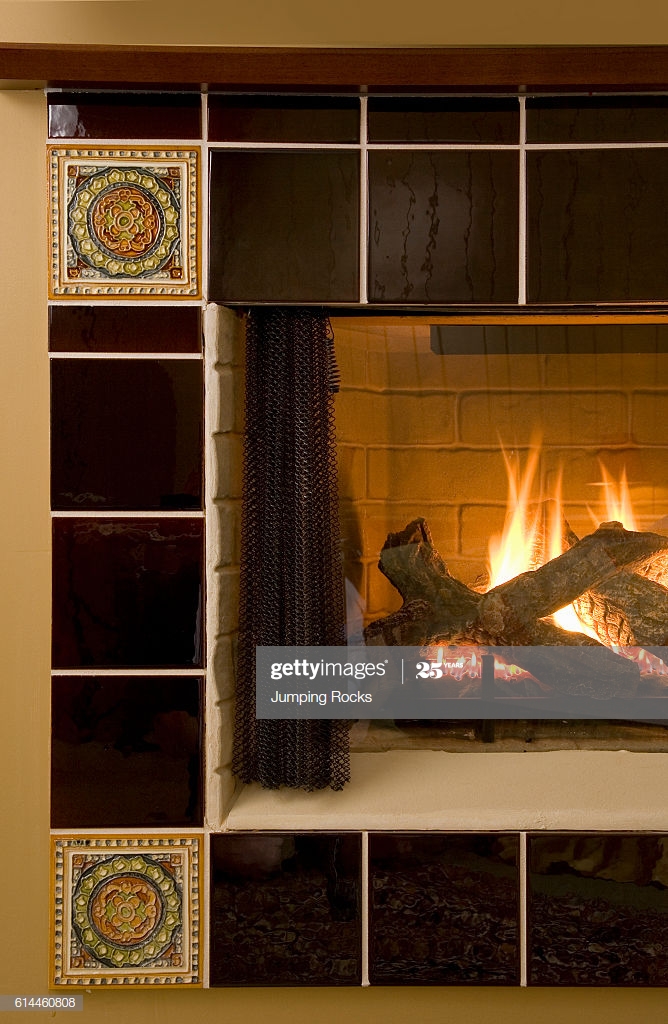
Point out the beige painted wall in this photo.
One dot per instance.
(24, 522)
(344, 23)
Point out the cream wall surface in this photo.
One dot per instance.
(25, 530)
(345, 23)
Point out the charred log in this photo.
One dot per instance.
(441, 609)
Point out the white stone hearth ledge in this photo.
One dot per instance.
(414, 790)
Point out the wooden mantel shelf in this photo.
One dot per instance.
(427, 68)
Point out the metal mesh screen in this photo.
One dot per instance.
(291, 564)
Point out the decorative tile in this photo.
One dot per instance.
(126, 752)
(124, 222)
(286, 909)
(443, 909)
(126, 910)
(598, 909)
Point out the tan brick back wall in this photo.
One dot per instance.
(419, 435)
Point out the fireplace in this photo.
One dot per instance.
(498, 446)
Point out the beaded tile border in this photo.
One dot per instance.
(176, 862)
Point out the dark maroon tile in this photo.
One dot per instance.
(126, 752)
(126, 434)
(284, 226)
(285, 909)
(236, 118)
(597, 119)
(127, 592)
(443, 226)
(125, 329)
(597, 225)
(100, 115)
(443, 119)
(443, 909)
(598, 909)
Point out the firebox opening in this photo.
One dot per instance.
(512, 442)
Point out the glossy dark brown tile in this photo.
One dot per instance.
(443, 119)
(91, 115)
(125, 329)
(127, 592)
(284, 226)
(598, 909)
(126, 752)
(597, 119)
(443, 909)
(597, 225)
(285, 909)
(126, 434)
(443, 226)
(283, 118)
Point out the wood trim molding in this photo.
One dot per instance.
(427, 68)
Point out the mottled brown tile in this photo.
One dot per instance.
(444, 909)
(597, 225)
(253, 118)
(443, 226)
(125, 329)
(126, 434)
(597, 119)
(598, 909)
(443, 119)
(126, 752)
(286, 909)
(284, 226)
(100, 115)
(127, 592)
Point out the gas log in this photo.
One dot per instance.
(630, 608)
(439, 609)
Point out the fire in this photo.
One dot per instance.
(617, 497)
(527, 541)
(514, 550)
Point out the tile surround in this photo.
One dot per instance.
(124, 222)
(98, 879)
(126, 910)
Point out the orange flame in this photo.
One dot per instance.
(618, 505)
(514, 550)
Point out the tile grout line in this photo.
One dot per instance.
(523, 910)
(158, 673)
(204, 200)
(205, 909)
(121, 513)
(364, 203)
(365, 910)
(522, 200)
(126, 355)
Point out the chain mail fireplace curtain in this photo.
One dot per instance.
(291, 562)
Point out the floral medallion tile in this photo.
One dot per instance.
(124, 222)
(126, 910)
